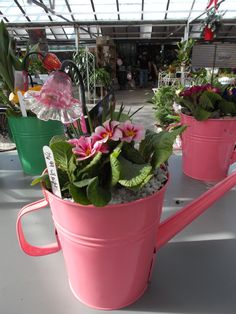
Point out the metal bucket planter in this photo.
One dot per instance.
(30, 135)
(208, 147)
(109, 251)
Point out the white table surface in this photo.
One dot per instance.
(194, 273)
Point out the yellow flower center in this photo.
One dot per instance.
(105, 134)
(87, 152)
(130, 133)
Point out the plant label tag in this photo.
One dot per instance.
(52, 170)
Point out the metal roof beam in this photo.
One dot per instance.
(93, 8)
(49, 10)
(22, 10)
(111, 23)
(118, 9)
(167, 9)
(50, 18)
(69, 9)
(142, 9)
(1, 14)
(191, 10)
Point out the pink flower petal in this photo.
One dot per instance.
(109, 130)
(132, 132)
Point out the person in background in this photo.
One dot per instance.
(143, 69)
(121, 73)
(154, 73)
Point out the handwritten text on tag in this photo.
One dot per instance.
(52, 170)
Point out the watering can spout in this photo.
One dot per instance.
(177, 222)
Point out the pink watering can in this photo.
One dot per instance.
(109, 251)
(208, 147)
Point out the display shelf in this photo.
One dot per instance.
(194, 273)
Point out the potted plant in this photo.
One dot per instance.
(211, 24)
(112, 186)
(102, 80)
(106, 190)
(167, 110)
(209, 141)
(184, 56)
(107, 212)
(29, 133)
(163, 104)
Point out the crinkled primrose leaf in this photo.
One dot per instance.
(91, 167)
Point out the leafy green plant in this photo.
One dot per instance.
(8, 60)
(103, 77)
(90, 168)
(163, 101)
(206, 101)
(184, 52)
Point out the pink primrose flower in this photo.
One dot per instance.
(109, 131)
(86, 147)
(189, 92)
(132, 132)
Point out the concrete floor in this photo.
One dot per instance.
(136, 99)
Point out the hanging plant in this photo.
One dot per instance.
(211, 23)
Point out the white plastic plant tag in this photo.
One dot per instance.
(22, 104)
(52, 170)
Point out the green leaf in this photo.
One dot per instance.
(92, 165)
(206, 101)
(201, 114)
(98, 195)
(145, 181)
(136, 111)
(62, 152)
(122, 117)
(40, 179)
(65, 187)
(6, 77)
(115, 169)
(83, 183)
(132, 154)
(163, 146)
(159, 146)
(57, 138)
(17, 64)
(71, 168)
(227, 107)
(146, 145)
(214, 97)
(115, 165)
(132, 174)
(186, 103)
(79, 195)
(63, 178)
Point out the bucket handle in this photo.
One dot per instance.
(25, 246)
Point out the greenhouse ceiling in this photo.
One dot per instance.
(66, 21)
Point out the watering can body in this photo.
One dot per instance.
(109, 251)
(208, 147)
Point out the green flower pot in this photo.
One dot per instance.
(30, 135)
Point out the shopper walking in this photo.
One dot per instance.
(143, 70)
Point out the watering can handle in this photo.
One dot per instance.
(26, 247)
(175, 223)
